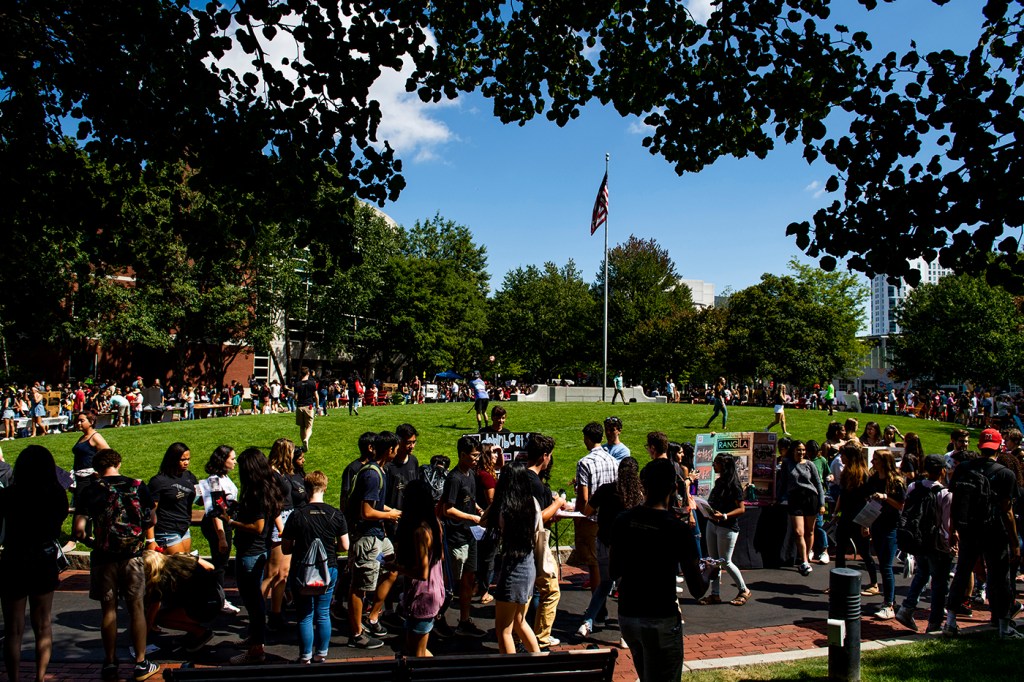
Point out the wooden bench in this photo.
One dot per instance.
(583, 665)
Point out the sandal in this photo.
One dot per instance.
(487, 598)
(741, 598)
(870, 591)
(710, 599)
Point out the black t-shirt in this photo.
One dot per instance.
(400, 474)
(284, 484)
(648, 546)
(300, 498)
(305, 393)
(315, 520)
(92, 500)
(608, 504)
(174, 496)
(725, 502)
(540, 492)
(371, 486)
(348, 480)
(890, 516)
(33, 517)
(460, 493)
(252, 544)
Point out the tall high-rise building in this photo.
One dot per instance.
(703, 292)
(886, 297)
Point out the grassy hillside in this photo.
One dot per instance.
(333, 444)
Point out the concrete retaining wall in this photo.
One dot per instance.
(582, 394)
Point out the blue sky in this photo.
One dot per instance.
(527, 192)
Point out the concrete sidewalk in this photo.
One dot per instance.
(785, 618)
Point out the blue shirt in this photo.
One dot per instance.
(619, 451)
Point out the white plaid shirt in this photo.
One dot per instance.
(595, 469)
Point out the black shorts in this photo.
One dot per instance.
(481, 405)
(803, 504)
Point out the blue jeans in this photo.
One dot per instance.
(720, 408)
(656, 645)
(932, 566)
(315, 619)
(885, 548)
(600, 596)
(190, 412)
(721, 544)
(249, 571)
(820, 536)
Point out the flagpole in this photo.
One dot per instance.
(604, 381)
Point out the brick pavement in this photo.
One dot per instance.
(712, 633)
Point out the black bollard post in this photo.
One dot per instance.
(844, 625)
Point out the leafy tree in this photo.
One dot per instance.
(799, 329)
(959, 330)
(929, 166)
(433, 307)
(545, 321)
(643, 288)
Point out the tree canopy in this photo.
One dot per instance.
(959, 330)
(929, 164)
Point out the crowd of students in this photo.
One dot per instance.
(421, 538)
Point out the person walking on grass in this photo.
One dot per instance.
(779, 400)
(720, 406)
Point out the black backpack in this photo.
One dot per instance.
(919, 528)
(972, 495)
(435, 474)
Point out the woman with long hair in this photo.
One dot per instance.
(913, 457)
(33, 509)
(515, 515)
(853, 496)
(779, 400)
(90, 442)
(814, 456)
(282, 463)
(487, 547)
(259, 507)
(187, 591)
(607, 502)
(726, 500)
(10, 413)
(872, 436)
(419, 551)
(220, 494)
(174, 491)
(886, 486)
(801, 491)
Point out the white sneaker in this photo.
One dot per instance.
(229, 608)
(585, 629)
(885, 613)
(622, 644)
(824, 558)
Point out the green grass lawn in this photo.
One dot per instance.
(927, 660)
(333, 444)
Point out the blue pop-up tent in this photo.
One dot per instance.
(447, 375)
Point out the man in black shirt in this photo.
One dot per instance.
(305, 399)
(649, 545)
(402, 470)
(538, 459)
(993, 537)
(461, 514)
(348, 476)
(116, 564)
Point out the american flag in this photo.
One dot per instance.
(600, 215)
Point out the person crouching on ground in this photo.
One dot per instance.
(188, 593)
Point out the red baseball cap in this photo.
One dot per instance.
(990, 439)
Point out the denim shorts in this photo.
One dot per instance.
(170, 538)
(419, 626)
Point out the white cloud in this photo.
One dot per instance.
(701, 10)
(407, 123)
(816, 189)
(638, 127)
